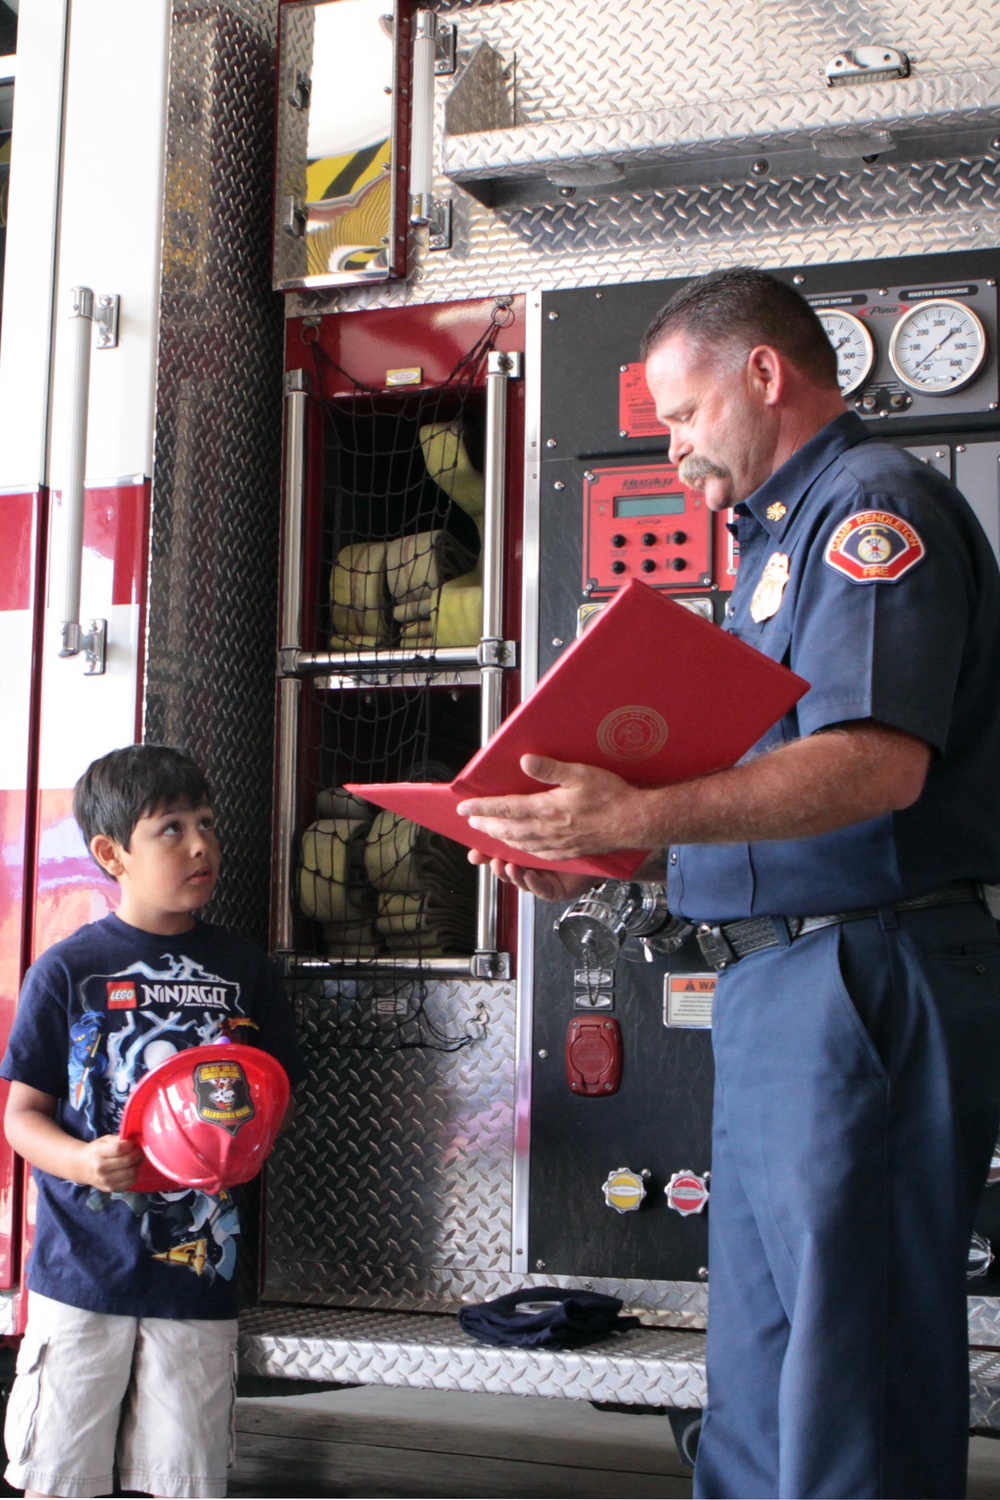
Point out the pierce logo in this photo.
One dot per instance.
(121, 994)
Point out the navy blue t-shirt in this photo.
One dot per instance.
(885, 596)
(96, 1012)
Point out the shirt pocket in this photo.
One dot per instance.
(22, 1407)
(775, 644)
(234, 1375)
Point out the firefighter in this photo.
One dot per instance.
(836, 875)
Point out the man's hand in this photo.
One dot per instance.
(588, 811)
(844, 774)
(109, 1164)
(549, 885)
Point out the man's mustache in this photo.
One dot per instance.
(694, 469)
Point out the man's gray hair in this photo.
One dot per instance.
(728, 313)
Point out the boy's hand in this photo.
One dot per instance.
(109, 1163)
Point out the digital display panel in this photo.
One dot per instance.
(649, 505)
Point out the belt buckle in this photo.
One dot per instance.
(715, 946)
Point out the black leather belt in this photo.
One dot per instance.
(725, 942)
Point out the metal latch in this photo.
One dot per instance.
(867, 65)
(294, 219)
(445, 48)
(301, 92)
(106, 312)
(487, 963)
(504, 362)
(492, 652)
(439, 225)
(92, 641)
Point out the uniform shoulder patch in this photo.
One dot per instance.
(874, 546)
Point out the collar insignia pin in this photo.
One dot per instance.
(777, 511)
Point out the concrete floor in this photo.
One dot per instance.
(382, 1441)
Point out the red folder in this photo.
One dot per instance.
(650, 690)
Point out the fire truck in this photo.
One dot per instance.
(323, 435)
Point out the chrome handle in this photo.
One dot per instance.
(72, 637)
(81, 318)
(288, 743)
(501, 368)
(422, 118)
(293, 508)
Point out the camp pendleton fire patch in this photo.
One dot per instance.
(874, 546)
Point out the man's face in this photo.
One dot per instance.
(721, 432)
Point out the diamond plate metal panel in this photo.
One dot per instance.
(984, 1373)
(213, 569)
(814, 213)
(297, 50)
(645, 1366)
(399, 1167)
(984, 1320)
(672, 1304)
(393, 1189)
(590, 59)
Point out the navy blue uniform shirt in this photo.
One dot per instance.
(891, 611)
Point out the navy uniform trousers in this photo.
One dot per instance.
(856, 1107)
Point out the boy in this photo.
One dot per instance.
(131, 1336)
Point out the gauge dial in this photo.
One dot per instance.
(938, 346)
(853, 345)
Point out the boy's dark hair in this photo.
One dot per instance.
(119, 788)
(736, 309)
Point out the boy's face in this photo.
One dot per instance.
(169, 870)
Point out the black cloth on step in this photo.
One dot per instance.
(568, 1318)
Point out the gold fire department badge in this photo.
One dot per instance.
(777, 511)
(767, 595)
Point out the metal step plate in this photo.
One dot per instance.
(640, 1367)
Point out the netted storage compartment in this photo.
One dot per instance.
(393, 617)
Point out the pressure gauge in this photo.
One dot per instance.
(853, 345)
(938, 347)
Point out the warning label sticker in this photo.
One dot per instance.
(636, 409)
(687, 1000)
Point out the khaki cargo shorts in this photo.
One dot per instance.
(156, 1394)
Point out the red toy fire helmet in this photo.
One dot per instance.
(206, 1117)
